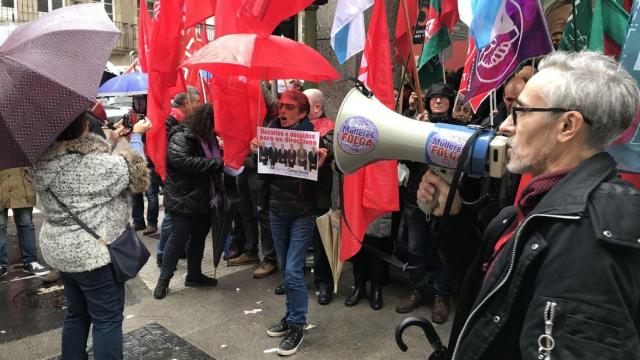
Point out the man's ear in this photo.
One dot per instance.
(571, 125)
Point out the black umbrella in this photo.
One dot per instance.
(223, 215)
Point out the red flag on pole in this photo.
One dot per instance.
(449, 14)
(402, 26)
(372, 190)
(163, 70)
(144, 32)
(197, 11)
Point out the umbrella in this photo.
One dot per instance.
(223, 215)
(134, 83)
(265, 58)
(329, 229)
(50, 69)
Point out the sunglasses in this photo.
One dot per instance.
(289, 107)
(516, 109)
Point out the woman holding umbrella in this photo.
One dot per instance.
(192, 190)
(291, 204)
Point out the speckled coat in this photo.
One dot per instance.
(94, 185)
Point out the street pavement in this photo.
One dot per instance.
(225, 322)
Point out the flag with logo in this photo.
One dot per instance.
(608, 28)
(347, 32)
(436, 39)
(521, 34)
(475, 102)
(372, 190)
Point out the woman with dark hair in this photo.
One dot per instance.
(292, 205)
(192, 189)
(79, 171)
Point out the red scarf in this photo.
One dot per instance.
(531, 196)
(177, 114)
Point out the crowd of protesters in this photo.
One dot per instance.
(277, 216)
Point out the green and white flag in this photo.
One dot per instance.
(436, 40)
(580, 27)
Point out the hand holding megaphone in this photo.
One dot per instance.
(432, 194)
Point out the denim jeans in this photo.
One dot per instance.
(153, 204)
(192, 232)
(93, 298)
(292, 235)
(248, 191)
(165, 232)
(26, 235)
(422, 248)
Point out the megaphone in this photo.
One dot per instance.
(367, 131)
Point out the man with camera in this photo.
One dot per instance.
(557, 275)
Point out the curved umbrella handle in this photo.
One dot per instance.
(429, 332)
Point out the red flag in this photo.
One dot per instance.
(144, 32)
(372, 190)
(475, 102)
(239, 107)
(401, 28)
(449, 14)
(163, 70)
(197, 11)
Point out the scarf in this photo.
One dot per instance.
(212, 151)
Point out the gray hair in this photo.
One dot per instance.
(592, 84)
(315, 96)
(180, 99)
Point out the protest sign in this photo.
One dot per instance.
(288, 153)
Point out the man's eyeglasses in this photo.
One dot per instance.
(516, 109)
(289, 107)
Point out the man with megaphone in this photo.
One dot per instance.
(558, 274)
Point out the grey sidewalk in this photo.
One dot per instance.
(230, 320)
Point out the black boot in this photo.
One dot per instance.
(360, 287)
(375, 300)
(199, 279)
(159, 260)
(162, 288)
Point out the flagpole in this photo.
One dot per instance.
(575, 29)
(444, 72)
(401, 90)
(204, 92)
(414, 67)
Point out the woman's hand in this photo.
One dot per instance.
(142, 126)
(424, 116)
(117, 132)
(254, 145)
(322, 156)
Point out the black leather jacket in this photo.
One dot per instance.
(578, 249)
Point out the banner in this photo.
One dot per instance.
(288, 153)
(630, 55)
(522, 35)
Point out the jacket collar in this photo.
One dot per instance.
(91, 143)
(571, 194)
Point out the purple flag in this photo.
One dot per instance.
(520, 34)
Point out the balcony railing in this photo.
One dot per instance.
(129, 38)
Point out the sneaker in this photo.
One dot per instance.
(292, 341)
(35, 268)
(279, 329)
(265, 269)
(233, 253)
(3, 271)
(440, 309)
(412, 301)
(244, 259)
(200, 280)
(150, 230)
(279, 290)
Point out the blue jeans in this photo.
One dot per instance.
(165, 231)
(421, 248)
(93, 298)
(26, 235)
(292, 235)
(153, 204)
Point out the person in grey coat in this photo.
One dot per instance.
(94, 184)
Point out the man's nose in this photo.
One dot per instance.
(507, 127)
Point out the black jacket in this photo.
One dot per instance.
(579, 248)
(288, 195)
(189, 174)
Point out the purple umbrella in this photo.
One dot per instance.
(50, 70)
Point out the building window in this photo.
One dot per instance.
(7, 3)
(45, 6)
(108, 7)
(8, 10)
(149, 7)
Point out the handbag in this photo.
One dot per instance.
(128, 253)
